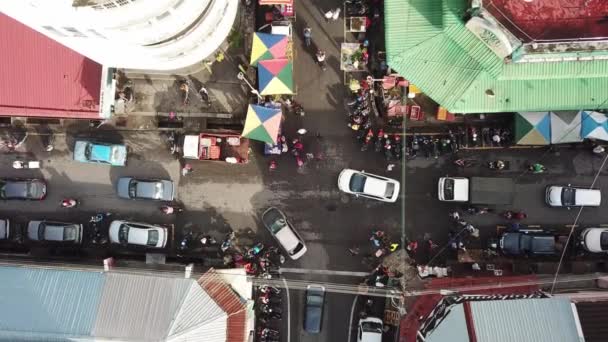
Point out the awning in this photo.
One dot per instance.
(268, 46)
(190, 149)
(262, 123)
(594, 125)
(533, 128)
(566, 127)
(275, 77)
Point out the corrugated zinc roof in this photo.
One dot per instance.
(452, 328)
(139, 307)
(429, 45)
(40, 77)
(48, 301)
(538, 320)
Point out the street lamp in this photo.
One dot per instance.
(241, 77)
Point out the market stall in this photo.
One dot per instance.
(226, 146)
(533, 128)
(594, 125)
(273, 8)
(353, 57)
(266, 46)
(355, 24)
(275, 77)
(263, 124)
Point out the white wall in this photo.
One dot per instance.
(133, 34)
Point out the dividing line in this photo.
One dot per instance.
(288, 311)
(350, 322)
(323, 272)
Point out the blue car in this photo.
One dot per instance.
(94, 152)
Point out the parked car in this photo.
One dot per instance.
(313, 314)
(5, 226)
(136, 233)
(278, 226)
(54, 231)
(152, 189)
(360, 183)
(568, 196)
(370, 329)
(595, 240)
(22, 189)
(96, 152)
(528, 243)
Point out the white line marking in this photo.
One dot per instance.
(288, 311)
(324, 272)
(350, 322)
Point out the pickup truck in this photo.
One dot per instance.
(477, 190)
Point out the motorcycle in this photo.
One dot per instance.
(436, 148)
(537, 168)
(170, 209)
(20, 164)
(368, 141)
(388, 147)
(379, 141)
(498, 165)
(321, 60)
(414, 147)
(474, 136)
(69, 203)
(267, 309)
(186, 240)
(398, 148)
(270, 289)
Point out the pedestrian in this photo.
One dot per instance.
(273, 165)
(186, 169)
(329, 15)
(204, 96)
(455, 215)
(412, 246)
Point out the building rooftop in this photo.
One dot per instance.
(43, 78)
(57, 304)
(428, 44)
(551, 20)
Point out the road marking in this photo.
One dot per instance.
(324, 272)
(350, 322)
(288, 311)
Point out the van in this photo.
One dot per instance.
(568, 196)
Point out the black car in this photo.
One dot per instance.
(313, 316)
(528, 243)
(22, 189)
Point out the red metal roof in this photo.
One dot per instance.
(229, 301)
(542, 20)
(40, 77)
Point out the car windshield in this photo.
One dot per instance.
(568, 196)
(390, 190)
(357, 182)
(448, 189)
(123, 233)
(314, 300)
(371, 327)
(274, 220)
(604, 241)
(152, 237)
(133, 188)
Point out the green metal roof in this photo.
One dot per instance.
(427, 43)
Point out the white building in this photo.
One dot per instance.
(131, 34)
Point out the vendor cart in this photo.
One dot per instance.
(227, 146)
(355, 24)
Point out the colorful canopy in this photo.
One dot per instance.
(533, 128)
(594, 125)
(262, 124)
(566, 127)
(276, 2)
(268, 46)
(275, 77)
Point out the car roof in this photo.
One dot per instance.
(101, 152)
(374, 186)
(592, 197)
(288, 238)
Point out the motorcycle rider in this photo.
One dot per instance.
(307, 35)
(69, 203)
(321, 58)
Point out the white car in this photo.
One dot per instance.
(370, 329)
(136, 233)
(595, 240)
(568, 196)
(277, 224)
(360, 183)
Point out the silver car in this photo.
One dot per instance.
(277, 224)
(54, 231)
(136, 233)
(150, 189)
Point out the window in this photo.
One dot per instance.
(357, 183)
(74, 31)
(179, 3)
(122, 2)
(109, 5)
(163, 16)
(54, 30)
(97, 33)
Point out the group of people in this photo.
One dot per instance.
(461, 230)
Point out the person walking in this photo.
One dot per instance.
(307, 36)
